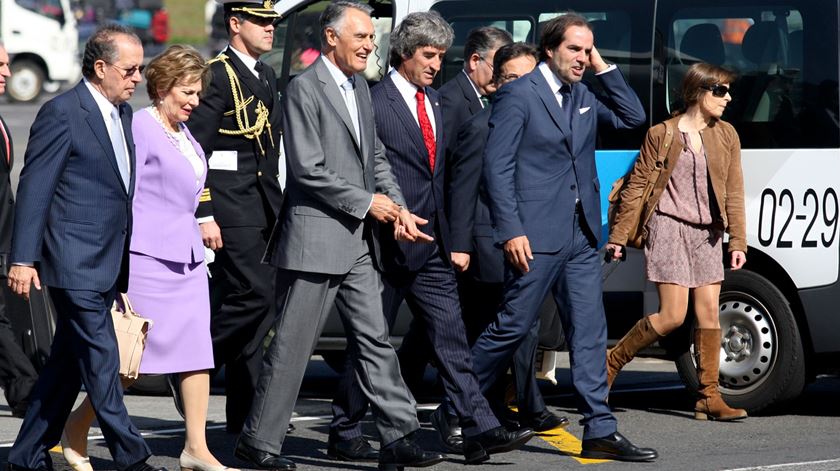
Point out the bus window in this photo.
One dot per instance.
(297, 40)
(782, 87)
(453, 61)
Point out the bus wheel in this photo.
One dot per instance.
(26, 81)
(762, 362)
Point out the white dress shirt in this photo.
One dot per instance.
(106, 107)
(408, 91)
(249, 61)
(555, 83)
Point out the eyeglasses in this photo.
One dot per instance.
(489, 63)
(717, 90)
(128, 73)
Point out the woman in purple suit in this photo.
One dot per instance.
(168, 277)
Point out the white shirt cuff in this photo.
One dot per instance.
(204, 219)
(608, 69)
(369, 206)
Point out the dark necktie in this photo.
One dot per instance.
(426, 127)
(484, 101)
(260, 68)
(566, 93)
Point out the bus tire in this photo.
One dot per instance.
(26, 82)
(762, 359)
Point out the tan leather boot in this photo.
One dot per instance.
(710, 405)
(640, 336)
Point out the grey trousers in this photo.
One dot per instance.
(304, 301)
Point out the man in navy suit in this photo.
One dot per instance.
(471, 226)
(409, 124)
(539, 167)
(71, 231)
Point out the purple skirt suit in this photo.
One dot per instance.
(167, 276)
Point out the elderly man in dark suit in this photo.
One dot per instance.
(238, 126)
(340, 189)
(539, 166)
(472, 226)
(72, 230)
(17, 375)
(409, 123)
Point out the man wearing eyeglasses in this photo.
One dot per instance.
(237, 124)
(71, 232)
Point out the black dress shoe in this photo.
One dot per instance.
(615, 447)
(354, 449)
(498, 440)
(544, 421)
(448, 429)
(143, 466)
(14, 467)
(174, 382)
(406, 453)
(290, 429)
(261, 459)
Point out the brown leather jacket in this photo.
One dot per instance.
(723, 157)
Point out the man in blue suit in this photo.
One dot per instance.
(539, 167)
(71, 231)
(409, 124)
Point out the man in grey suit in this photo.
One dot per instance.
(340, 192)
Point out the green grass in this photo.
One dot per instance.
(186, 22)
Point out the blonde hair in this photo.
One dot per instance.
(178, 64)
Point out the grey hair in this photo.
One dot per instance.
(418, 30)
(333, 16)
(484, 39)
(102, 46)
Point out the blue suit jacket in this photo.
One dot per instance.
(409, 159)
(535, 160)
(73, 215)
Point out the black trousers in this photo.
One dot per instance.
(242, 311)
(17, 375)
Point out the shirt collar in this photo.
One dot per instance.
(553, 81)
(249, 61)
(407, 89)
(105, 106)
(335, 72)
(475, 89)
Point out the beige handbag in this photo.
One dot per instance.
(131, 332)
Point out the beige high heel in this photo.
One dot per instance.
(74, 459)
(189, 462)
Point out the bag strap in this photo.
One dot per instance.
(664, 147)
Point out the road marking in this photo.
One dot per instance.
(823, 465)
(568, 444)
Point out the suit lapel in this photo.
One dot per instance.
(434, 99)
(367, 126)
(247, 77)
(403, 114)
(469, 92)
(129, 142)
(550, 102)
(336, 100)
(97, 125)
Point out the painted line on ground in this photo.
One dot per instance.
(567, 444)
(822, 465)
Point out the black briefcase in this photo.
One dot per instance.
(33, 322)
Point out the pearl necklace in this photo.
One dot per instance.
(174, 137)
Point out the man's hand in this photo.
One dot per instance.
(596, 61)
(738, 259)
(405, 228)
(21, 278)
(461, 261)
(211, 235)
(518, 252)
(384, 209)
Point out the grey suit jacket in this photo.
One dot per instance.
(330, 177)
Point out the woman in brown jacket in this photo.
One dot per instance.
(699, 195)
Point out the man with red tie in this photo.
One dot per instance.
(17, 375)
(409, 124)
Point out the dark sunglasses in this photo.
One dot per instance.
(128, 73)
(717, 90)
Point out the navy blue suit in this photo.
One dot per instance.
(419, 273)
(536, 164)
(73, 220)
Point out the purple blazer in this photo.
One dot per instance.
(165, 196)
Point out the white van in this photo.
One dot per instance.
(43, 45)
(779, 315)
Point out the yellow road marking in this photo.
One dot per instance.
(567, 444)
(55, 449)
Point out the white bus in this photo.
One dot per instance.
(43, 45)
(780, 315)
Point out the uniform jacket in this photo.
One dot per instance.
(536, 161)
(251, 194)
(723, 158)
(73, 215)
(166, 195)
(423, 191)
(331, 177)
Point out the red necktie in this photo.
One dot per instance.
(426, 127)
